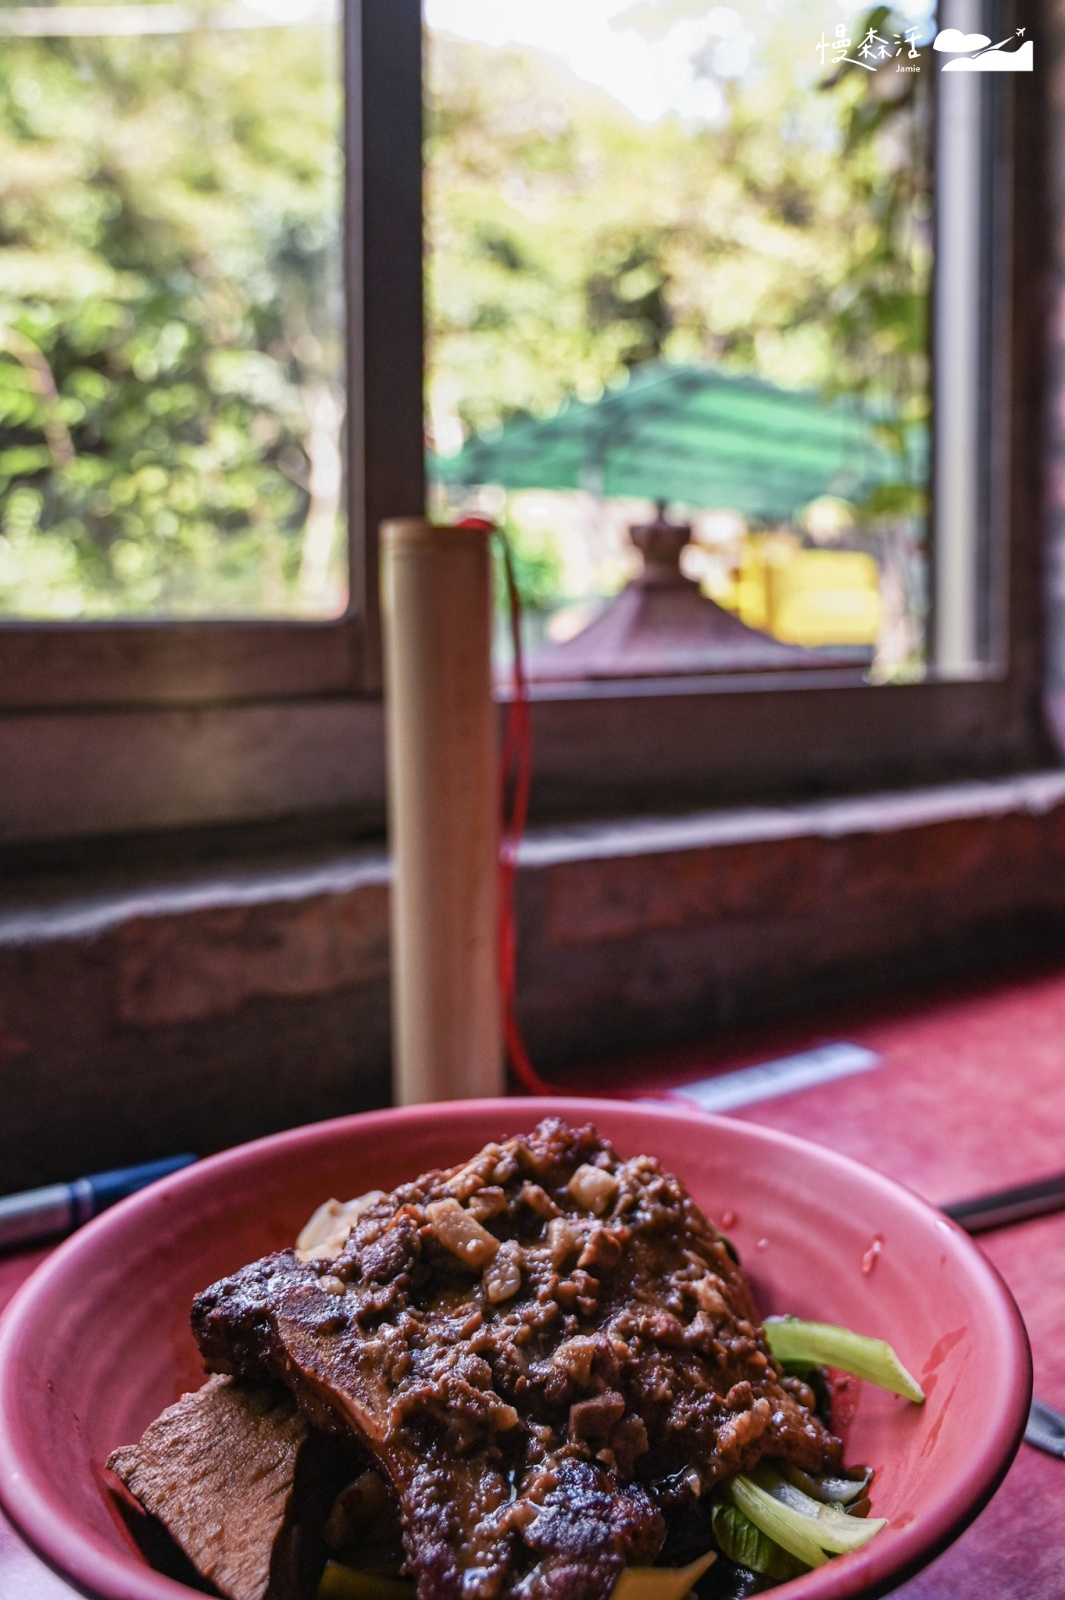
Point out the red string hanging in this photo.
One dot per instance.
(515, 780)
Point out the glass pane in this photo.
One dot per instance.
(171, 334)
(681, 254)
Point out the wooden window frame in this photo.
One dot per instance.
(132, 726)
(164, 662)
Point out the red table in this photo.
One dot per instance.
(970, 1097)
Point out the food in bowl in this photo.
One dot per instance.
(543, 1366)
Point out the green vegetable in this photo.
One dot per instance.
(785, 1527)
(739, 1539)
(821, 1344)
(828, 1525)
(660, 1583)
(345, 1583)
(834, 1491)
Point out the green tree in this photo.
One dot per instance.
(569, 243)
(169, 324)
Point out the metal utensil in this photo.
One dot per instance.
(1003, 1207)
(1000, 1209)
(1046, 1429)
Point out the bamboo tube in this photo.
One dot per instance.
(443, 812)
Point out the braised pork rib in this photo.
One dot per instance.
(548, 1351)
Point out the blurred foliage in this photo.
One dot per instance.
(169, 323)
(569, 243)
(536, 566)
(170, 308)
(879, 309)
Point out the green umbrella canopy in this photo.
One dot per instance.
(694, 435)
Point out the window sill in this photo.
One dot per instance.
(101, 773)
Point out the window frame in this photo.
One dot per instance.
(215, 661)
(226, 722)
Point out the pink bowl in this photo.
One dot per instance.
(98, 1342)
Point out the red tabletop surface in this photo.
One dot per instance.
(970, 1096)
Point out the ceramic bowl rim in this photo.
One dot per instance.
(36, 1506)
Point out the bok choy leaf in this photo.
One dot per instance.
(805, 1528)
(836, 1491)
(785, 1527)
(820, 1344)
(832, 1528)
(739, 1540)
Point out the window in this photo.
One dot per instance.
(178, 394)
(129, 723)
(173, 315)
(684, 255)
(604, 310)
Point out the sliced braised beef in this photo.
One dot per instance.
(241, 1486)
(547, 1350)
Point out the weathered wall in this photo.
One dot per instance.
(194, 1014)
(1052, 293)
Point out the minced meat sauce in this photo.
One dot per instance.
(550, 1354)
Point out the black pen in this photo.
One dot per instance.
(59, 1208)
